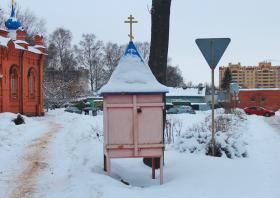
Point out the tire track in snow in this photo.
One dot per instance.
(35, 160)
(274, 122)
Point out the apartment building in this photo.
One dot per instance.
(262, 76)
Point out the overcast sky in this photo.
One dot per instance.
(253, 26)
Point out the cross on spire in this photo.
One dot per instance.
(130, 21)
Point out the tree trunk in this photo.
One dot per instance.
(160, 14)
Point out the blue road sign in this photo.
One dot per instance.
(212, 49)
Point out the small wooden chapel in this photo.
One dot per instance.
(21, 69)
(133, 111)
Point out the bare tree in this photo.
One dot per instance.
(89, 56)
(112, 55)
(2, 18)
(31, 23)
(174, 77)
(61, 40)
(144, 48)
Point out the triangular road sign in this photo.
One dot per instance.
(212, 49)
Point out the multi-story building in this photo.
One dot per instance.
(262, 76)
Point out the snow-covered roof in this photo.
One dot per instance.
(261, 89)
(34, 50)
(19, 47)
(190, 91)
(20, 42)
(4, 41)
(132, 75)
(39, 46)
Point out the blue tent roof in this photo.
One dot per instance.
(132, 50)
(12, 23)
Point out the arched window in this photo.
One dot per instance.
(14, 82)
(31, 83)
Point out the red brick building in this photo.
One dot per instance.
(268, 98)
(21, 70)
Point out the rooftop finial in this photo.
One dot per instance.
(12, 23)
(13, 9)
(130, 21)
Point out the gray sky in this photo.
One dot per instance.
(253, 26)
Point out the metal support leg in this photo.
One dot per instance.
(153, 168)
(105, 163)
(108, 165)
(161, 170)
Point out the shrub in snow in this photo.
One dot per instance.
(19, 120)
(229, 135)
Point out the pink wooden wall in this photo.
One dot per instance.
(133, 126)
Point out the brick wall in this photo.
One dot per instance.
(269, 99)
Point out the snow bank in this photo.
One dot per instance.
(75, 161)
(230, 138)
(277, 113)
(75, 154)
(13, 142)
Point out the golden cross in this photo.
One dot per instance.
(130, 21)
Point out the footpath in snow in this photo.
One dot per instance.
(73, 162)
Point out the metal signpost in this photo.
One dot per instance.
(234, 90)
(212, 50)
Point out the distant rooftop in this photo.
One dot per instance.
(190, 91)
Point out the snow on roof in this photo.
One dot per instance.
(261, 89)
(21, 42)
(190, 91)
(4, 41)
(3, 29)
(19, 47)
(34, 50)
(39, 46)
(133, 75)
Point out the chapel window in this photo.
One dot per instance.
(14, 82)
(31, 84)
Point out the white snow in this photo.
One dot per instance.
(39, 46)
(34, 50)
(75, 162)
(230, 134)
(132, 75)
(20, 42)
(4, 41)
(19, 47)
(190, 91)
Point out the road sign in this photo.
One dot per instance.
(234, 88)
(212, 49)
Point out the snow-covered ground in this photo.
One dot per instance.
(67, 162)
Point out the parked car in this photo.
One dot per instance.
(186, 109)
(172, 110)
(180, 109)
(72, 109)
(259, 111)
